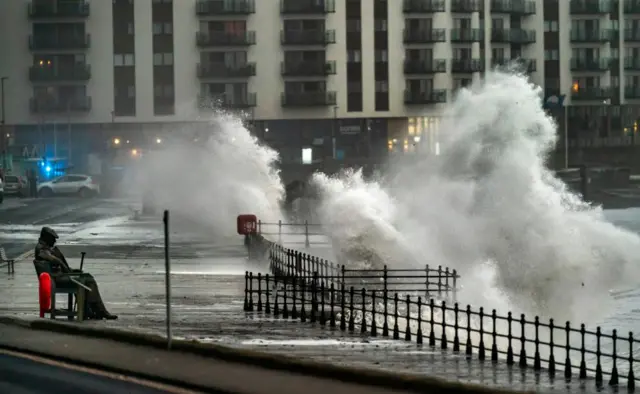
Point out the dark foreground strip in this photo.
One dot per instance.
(379, 379)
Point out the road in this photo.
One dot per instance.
(25, 374)
(126, 257)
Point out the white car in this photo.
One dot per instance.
(81, 185)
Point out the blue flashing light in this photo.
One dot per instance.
(48, 169)
(42, 164)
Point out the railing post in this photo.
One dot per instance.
(314, 295)
(332, 317)
(363, 322)
(468, 346)
(583, 363)
(285, 307)
(567, 362)
(426, 280)
(599, 377)
(419, 332)
(396, 329)
(303, 301)
(259, 292)
(323, 317)
(407, 331)
(250, 291)
(279, 231)
(267, 307)
(246, 291)
(523, 339)
(494, 335)
(481, 350)
(552, 359)
(439, 280)
(432, 333)
(631, 379)
(509, 339)
(614, 370)
(385, 300)
(307, 243)
(443, 344)
(294, 295)
(456, 338)
(351, 310)
(536, 355)
(343, 321)
(374, 326)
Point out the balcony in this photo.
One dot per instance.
(513, 7)
(527, 65)
(307, 7)
(219, 38)
(61, 9)
(632, 6)
(432, 97)
(412, 67)
(225, 7)
(73, 72)
(313, 68)
(308, 37)
(424, 36)
(71, 42)
(595, 35)
(222, 70)
(590, 7)
(466, 6)
(213, 101)
(47, 105)
(632, 63)
(466, 35)
(308, 99)
(423, 6)
(632, 92)
(513, 36)
(632, 35)
(467, 66)
(591, 94)
(593, 65)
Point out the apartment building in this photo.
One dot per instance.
(373, 75)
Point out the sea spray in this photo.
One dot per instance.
(488, 203)
(210, 181)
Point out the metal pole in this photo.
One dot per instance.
(68, 134)
(566, 136)
(333, 132)
(2, 123)
(167, 275)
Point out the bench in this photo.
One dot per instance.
(4, 260)
(78, 291)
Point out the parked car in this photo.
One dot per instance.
(15, 185)
(81, 185)
(1, 191)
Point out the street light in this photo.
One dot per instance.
(158, 140)
(116, 141)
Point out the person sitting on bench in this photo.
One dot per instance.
(47, 251)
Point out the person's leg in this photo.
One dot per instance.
(94, 299)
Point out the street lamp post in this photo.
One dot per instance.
(3, 138)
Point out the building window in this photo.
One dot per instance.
(162, 28)
(354, 57)
(381, 56)
(131, 91)
(163, 91)
(551, 26)
(382, 86)
(130, 28)
(126, 59)
(163, 59)
(551, 54)
(307, 155)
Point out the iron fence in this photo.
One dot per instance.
(570, 350)
(289, 230)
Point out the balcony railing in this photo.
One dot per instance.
(218, 38)
(423, 6)
(224, 101)
(513, 7)
(466, 6)
(424, 36)
(595, 94)
(467, 65)
(632, 92)
(308, 99)
(591, 7)
(632, 6)
(225, 7)
(58, 9)
(594, 35)
(528, 65)
(74, 72)
(513, 36)
(632, 35)
(308, 37)
(59, 42)
(51, 105)
(632, 63)
(427, 97)
(307, 6)
(425, 66)
(308, 68)
(595, 65)
(222, 70)
(466, 35)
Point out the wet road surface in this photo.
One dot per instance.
(21, 374)
(125, 256)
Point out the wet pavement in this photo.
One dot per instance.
(126, 257)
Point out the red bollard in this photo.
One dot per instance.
(44, 293)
